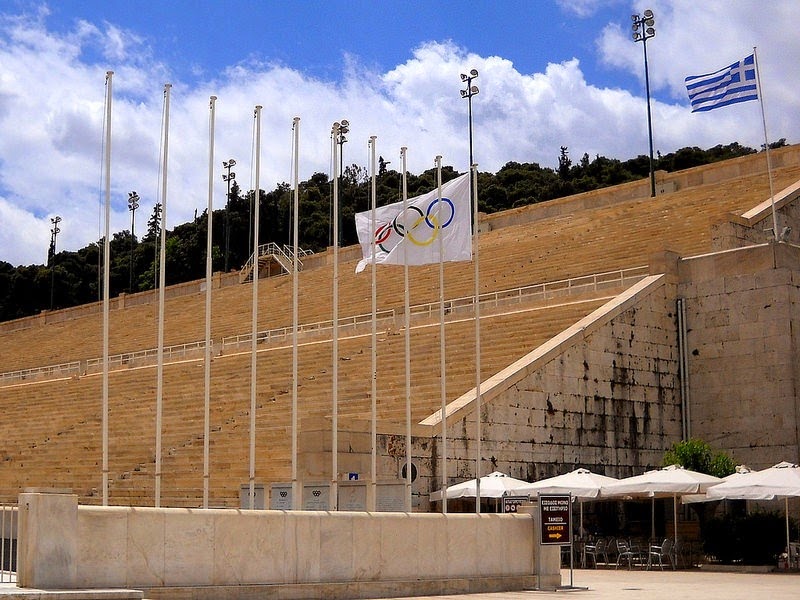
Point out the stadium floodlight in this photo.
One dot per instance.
(133, 204)
(339, 132)
(51, 258)
(468, 93)
(229, 176)
(643, 29)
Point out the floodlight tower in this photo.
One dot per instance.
(340, 138)
(52, 258)
(643, 29)
(468, 93)
(133, 204)
(229, 176)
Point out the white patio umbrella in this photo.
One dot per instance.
(672, 481)
(580, 483)
(493, 485)
(696, 498)
(779, 481)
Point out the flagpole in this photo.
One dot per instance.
(407, 317)
(254, 334)
(161, 286)
(766, 146)
(336, 132)
(295, 235)
(372, 501)
(209, 243)
(478, 433)
(106, 280)
(442, 386)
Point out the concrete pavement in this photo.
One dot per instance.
(659, 585)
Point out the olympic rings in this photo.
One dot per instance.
(388, 235)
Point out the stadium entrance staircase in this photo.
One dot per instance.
(272, 260)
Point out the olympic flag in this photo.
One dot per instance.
(419, 227)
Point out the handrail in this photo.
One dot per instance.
(545, 291)
(175, 350)
(68, 367)
(273, 249)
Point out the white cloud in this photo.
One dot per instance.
(52, 96)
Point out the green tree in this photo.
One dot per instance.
(698, 455)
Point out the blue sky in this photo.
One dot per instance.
(552, 73)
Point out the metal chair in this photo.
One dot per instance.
(664, 551)
(626, 553)
(598, 549)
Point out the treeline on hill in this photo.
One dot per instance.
(72, 278)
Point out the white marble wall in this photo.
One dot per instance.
(153, 547)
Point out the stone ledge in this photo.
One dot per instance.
(348, 590)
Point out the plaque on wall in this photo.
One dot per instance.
(280, 496)
(391, 497)
(353, 495)
(316, 496)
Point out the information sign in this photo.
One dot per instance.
(555, 514)
(512, 503)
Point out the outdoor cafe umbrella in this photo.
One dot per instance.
(493, 485)
(580, 483)
(672, 481)
(779, 481)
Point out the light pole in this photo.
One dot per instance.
(643, 30)
(52, 258)
(228, 177)
(339, 137)
(468, 93)
(133, 204)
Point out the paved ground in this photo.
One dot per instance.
(658, 585)
(601, 584)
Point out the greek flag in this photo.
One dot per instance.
(732, 84)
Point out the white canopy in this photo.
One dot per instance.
(673, 481)
(494, 485)
(779, 481)
(581, 483)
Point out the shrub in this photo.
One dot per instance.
(754, 539)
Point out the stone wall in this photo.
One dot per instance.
(743, 316)
(66, 546)
(604, 394)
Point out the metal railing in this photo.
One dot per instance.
(281, 254)
(282, 333)
(68, 368)
(546, 292)
(126, 358)
(8, 543)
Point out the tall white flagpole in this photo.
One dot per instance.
(372, 501)
(106, 281)
(336, 132)
(775, 231)
(442, 385)
(407, 318)
(254, 335)
(296, 215)
(161, 289)
(209, 272)
(478, 433)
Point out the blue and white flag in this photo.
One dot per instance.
(732, 84)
